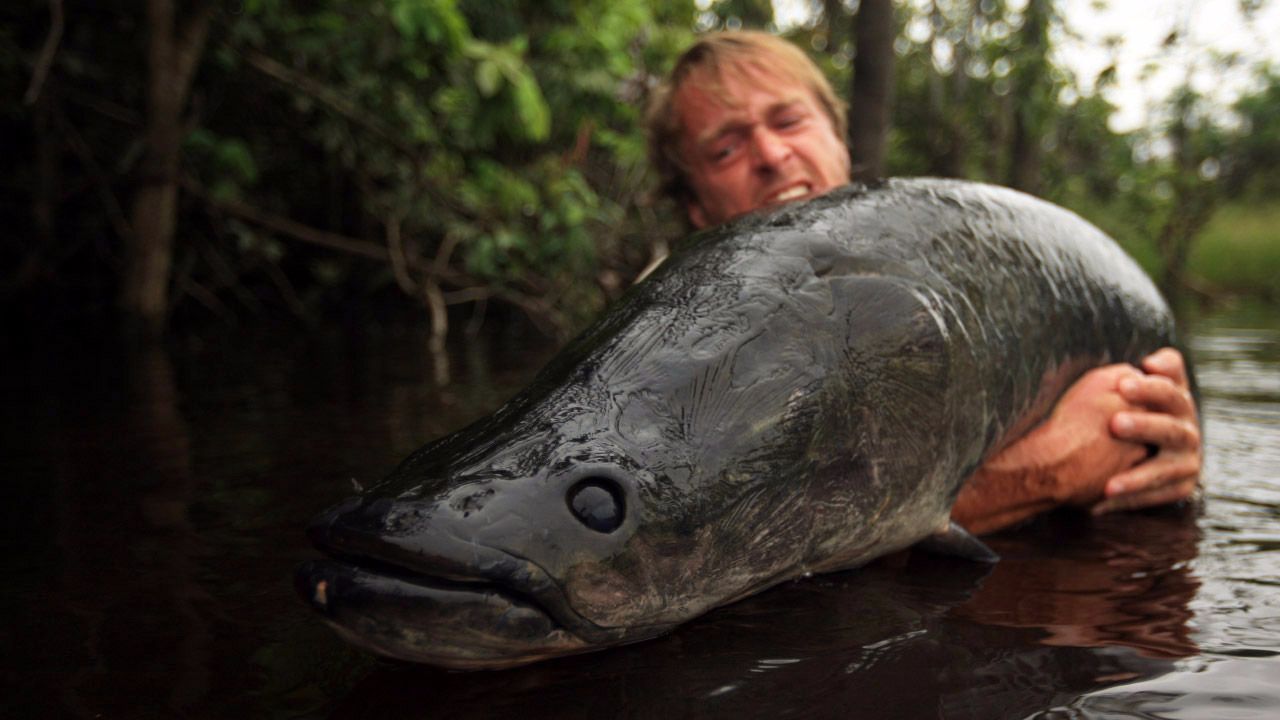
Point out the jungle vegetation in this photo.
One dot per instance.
(454, 162)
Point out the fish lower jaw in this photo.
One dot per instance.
(420, 618)
(421, 650)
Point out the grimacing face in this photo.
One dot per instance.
(758, 141)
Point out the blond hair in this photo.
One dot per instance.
(709, 58)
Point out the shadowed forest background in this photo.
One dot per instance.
(176, 166)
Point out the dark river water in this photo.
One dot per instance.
(155, 505)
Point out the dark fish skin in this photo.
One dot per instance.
(796, 392)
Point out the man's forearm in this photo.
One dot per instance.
(1071, 457)
(996, 498)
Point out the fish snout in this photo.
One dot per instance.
(319, 527)
(347, 526)
(530, 540)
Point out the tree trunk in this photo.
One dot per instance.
(1030, 93)
(946, 101)
(833, 13)
(872, 88)
(1194, 204)
(172, 57)
(997, 133)
(955, 160)
(1024, 163)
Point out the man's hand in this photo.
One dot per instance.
(1116, 439)
(1167, 423)
(1066, 460)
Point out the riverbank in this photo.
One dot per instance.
(1234, 259)
(1238, 253)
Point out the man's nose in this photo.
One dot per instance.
(769, 149)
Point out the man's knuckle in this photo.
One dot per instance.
(1191, 436)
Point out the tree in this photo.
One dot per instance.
(1034, 97)
(1252, 160)
(486, 158)
(174, 48)
(323, 156)
(872, 96)
(1190, 188)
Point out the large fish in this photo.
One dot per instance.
(792, 393)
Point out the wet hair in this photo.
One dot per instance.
(706, 62)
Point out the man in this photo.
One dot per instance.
(747, 121)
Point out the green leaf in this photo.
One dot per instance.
(437, 21)
(403, 18)
(234, 155)
(488, 78)
(532, 109)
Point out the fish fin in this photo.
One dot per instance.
(955, 540)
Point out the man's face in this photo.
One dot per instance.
(758, 142)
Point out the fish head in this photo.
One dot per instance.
(483, 553)
(693, 448)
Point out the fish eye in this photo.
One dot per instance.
(597, 503)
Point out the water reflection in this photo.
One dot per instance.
(912, 636)
(160, 501)
(1121, 580)
(121, 590)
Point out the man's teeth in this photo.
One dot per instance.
(791, 194)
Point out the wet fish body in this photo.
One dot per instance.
(796, 392)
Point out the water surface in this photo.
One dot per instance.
(157, 502)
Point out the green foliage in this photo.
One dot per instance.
(500, 139)
(1253, 160)
(1239, 251)
(501, 68)
(229, 161)
(981, 94)
(437, 22)
(494, 149)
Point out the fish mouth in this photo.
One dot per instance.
(437, 599)
(419, 618)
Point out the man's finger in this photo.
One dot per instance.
(1163, 495)
(1157, 392)
(1163, 470)
(1167, 362)
(1167, 432)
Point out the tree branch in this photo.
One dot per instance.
(207, 298)
(315, 89)
(291, 228)
(399, 260)
(287, 290)
(102, 106)
(191, 37)
(110, 203)
(336, 101)
(57, 23)
(535, 308)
